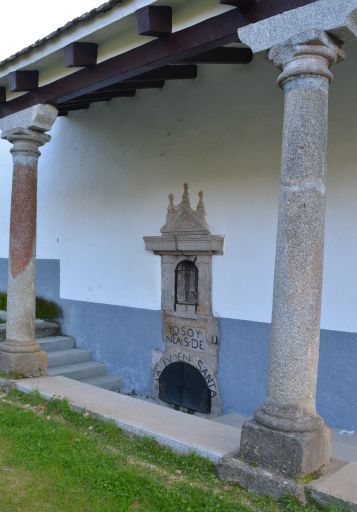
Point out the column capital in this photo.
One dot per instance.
(308, 54)
(26, 130)
(25, 141)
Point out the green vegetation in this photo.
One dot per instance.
(53, 459)
(306, 479)
(3, 301)
(11, 375)
(45, 309)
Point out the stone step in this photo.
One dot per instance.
(66, 357)
(106, 381)
(54, 343)
(79, 371)
(43, 329)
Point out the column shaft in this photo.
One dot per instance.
(295, 332)
(20, 328)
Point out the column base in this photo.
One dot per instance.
(290, 453)
(28, 364)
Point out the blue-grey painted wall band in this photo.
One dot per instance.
(123, 338)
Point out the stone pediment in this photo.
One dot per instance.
(185, 229)
(183, 219)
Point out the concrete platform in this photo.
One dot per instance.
(340, 488)
(180, 431)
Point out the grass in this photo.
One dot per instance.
(11, 375)
(45, 309)
(306, 479)
(53, 459)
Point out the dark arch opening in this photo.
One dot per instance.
(186, 283)
(183, 385)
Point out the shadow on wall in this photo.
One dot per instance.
(123, 338)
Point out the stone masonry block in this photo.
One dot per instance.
(290, 453)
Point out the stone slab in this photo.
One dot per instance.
(290, 453)
(24, 363)
(339, 488)
(258, 479)
(39, 118)
(182, 432)
(338, 17)
(265, 481)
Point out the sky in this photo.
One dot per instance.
(25, 21)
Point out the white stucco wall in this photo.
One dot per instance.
(104, 180)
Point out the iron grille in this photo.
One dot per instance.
(186, 283)
(183, 385)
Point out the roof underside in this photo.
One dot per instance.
(142, 62)
(87, 16)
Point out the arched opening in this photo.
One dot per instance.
(182, 384)
(186, 283)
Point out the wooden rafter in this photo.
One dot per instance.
(20, 81)
(125, 86)
(80, 55)
(236, 3)
(224, 56)
(94, 97)
(76, 106)
(154, 20)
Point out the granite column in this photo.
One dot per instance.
(287, 434)
(20, 353)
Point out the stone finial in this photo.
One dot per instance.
(185, 196)
(170, 208)
(201, 212)
(171, 202)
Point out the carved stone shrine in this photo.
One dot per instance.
(185, 374)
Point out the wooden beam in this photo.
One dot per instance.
(105, 96)
(183, 44)
(2, 95)
(224, 56)
(236, 3)
(127, 86)
(80, 55)
(85, 100)
(258, 10)
(170, 72)
(20, 81)
(154, 20)
(77, 106)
